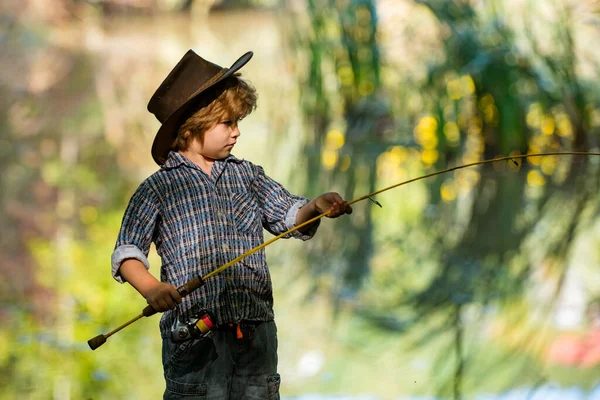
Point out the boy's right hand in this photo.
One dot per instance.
(163, 297)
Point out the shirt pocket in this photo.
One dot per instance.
(246, 213)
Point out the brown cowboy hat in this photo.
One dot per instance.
(179, 94)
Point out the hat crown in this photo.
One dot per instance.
(180, 91)
(187, 77)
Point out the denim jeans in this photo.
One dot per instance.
(224, 367)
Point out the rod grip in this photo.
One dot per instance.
(190, 286)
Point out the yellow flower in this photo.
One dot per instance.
(429, 156)
(535, 178)
(329, 158)
(334, 140)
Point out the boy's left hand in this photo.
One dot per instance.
(334, 203)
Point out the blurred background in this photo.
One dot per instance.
(477, 284)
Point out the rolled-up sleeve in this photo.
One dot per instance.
(137, 230)
(280, 207)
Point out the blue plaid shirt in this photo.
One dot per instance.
(200, 222)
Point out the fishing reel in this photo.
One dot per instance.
(192, 328)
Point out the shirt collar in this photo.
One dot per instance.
(175, 159)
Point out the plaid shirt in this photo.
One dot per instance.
(200, 222)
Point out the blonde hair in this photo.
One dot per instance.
(235, 99)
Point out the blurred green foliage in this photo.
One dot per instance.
(61, 202)
(469, 239)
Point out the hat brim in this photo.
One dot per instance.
(167, 133)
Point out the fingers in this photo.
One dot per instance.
(347, 208)
(175, 294)
(160, 304)
(165, 298)
(170, 302)
(156, 305)
(164, 303)
(339, 207)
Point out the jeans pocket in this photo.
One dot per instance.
(273, 382)
(197, 390)
(182, 369)
(180, 350)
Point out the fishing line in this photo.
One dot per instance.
(198, 281)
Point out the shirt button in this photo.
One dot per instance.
(219, 214)
(225, 247)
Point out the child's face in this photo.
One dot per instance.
(219, 140)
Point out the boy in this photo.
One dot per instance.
(203, 208)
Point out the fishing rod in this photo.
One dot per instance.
(197, 282)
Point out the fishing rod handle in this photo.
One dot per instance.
(190, 286)
(184, 290)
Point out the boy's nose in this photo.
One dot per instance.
(236, 132)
